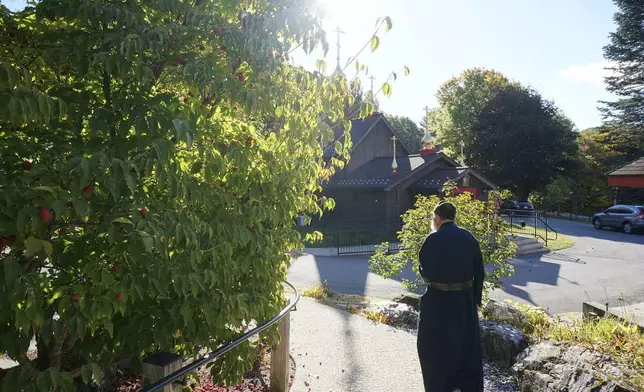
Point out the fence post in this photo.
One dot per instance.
(280, 357)
(157, 366)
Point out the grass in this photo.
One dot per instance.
(559, 243)
(623, 342)
(352, 303)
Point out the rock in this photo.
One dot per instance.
(399, 315)
(501, 342)
(549, 366)
(412, 300)
(503, 312)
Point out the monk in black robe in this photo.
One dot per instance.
(449, 346)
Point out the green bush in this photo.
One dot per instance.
(478, 217)
(154, 156)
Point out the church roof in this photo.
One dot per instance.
(359, 129)
(376, 173)
(438, 177)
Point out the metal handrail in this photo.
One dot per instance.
(157, 386)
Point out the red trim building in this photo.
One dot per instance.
(629, 176)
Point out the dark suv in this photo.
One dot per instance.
(627, 218)
(514, 207)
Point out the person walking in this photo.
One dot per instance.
(449, 342)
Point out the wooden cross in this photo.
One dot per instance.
(338, 31)
(426, 108)
(372, 78)
(394, 164)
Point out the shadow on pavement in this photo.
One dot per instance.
(531, 269)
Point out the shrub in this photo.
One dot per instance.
(154, 156)
(478, 217)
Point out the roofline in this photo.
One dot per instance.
(382, 118)
(393, 130)
(414, 171)
(477, 175)
(610, 173)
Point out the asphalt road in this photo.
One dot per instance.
(603, 266)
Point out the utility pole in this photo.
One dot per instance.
(338, 31)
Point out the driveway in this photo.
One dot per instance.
(603, 266)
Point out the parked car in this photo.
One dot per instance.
(627, 218)
(516, 207)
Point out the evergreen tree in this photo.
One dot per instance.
(626, 50)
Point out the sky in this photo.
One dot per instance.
(554, 46)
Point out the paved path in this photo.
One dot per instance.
(603, 265)
(348, 353)
(336, 351)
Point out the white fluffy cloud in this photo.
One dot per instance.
(590, 73)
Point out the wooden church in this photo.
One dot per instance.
(382, 178)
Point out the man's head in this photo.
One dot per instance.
(443, 212)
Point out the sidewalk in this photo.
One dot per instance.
(336, 351)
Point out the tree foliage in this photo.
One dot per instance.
(626, 52)
(409, 132)
(522, 141)
(478, 217)
(154, 156)
(461, 100)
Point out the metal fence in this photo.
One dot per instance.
(530, 223)
(167, 380)
(359, 237)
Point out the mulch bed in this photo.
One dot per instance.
(256, 379)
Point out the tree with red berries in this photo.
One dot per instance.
(154, 157)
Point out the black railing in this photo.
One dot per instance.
(157, 386)
(357, 237)
(530, 223)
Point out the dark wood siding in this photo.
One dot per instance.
(376, 144)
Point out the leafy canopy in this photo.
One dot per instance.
(523, 142)
(478, 217)
(154, 155)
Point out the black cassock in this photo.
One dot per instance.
(449, 346)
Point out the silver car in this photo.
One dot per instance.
(627, 218)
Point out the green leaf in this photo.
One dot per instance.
(406, 70)
(388, 22)
(86, 374)
(148, 241)
(33, 246)
(375, 42)
(123, 220)
(386, 89)
(97, 372)
(49, 249)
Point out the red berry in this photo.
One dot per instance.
(240, 77)
(27, 165)
(172, 46)
(75, 297)
(144, 212)
(116, 267)
(235, 169)
(180, 60)
(45, 214)
(270, 54)
(224, 145)
(217, 31)
(11, 238)
(118, 297)
(259, 69)
(88, 189)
